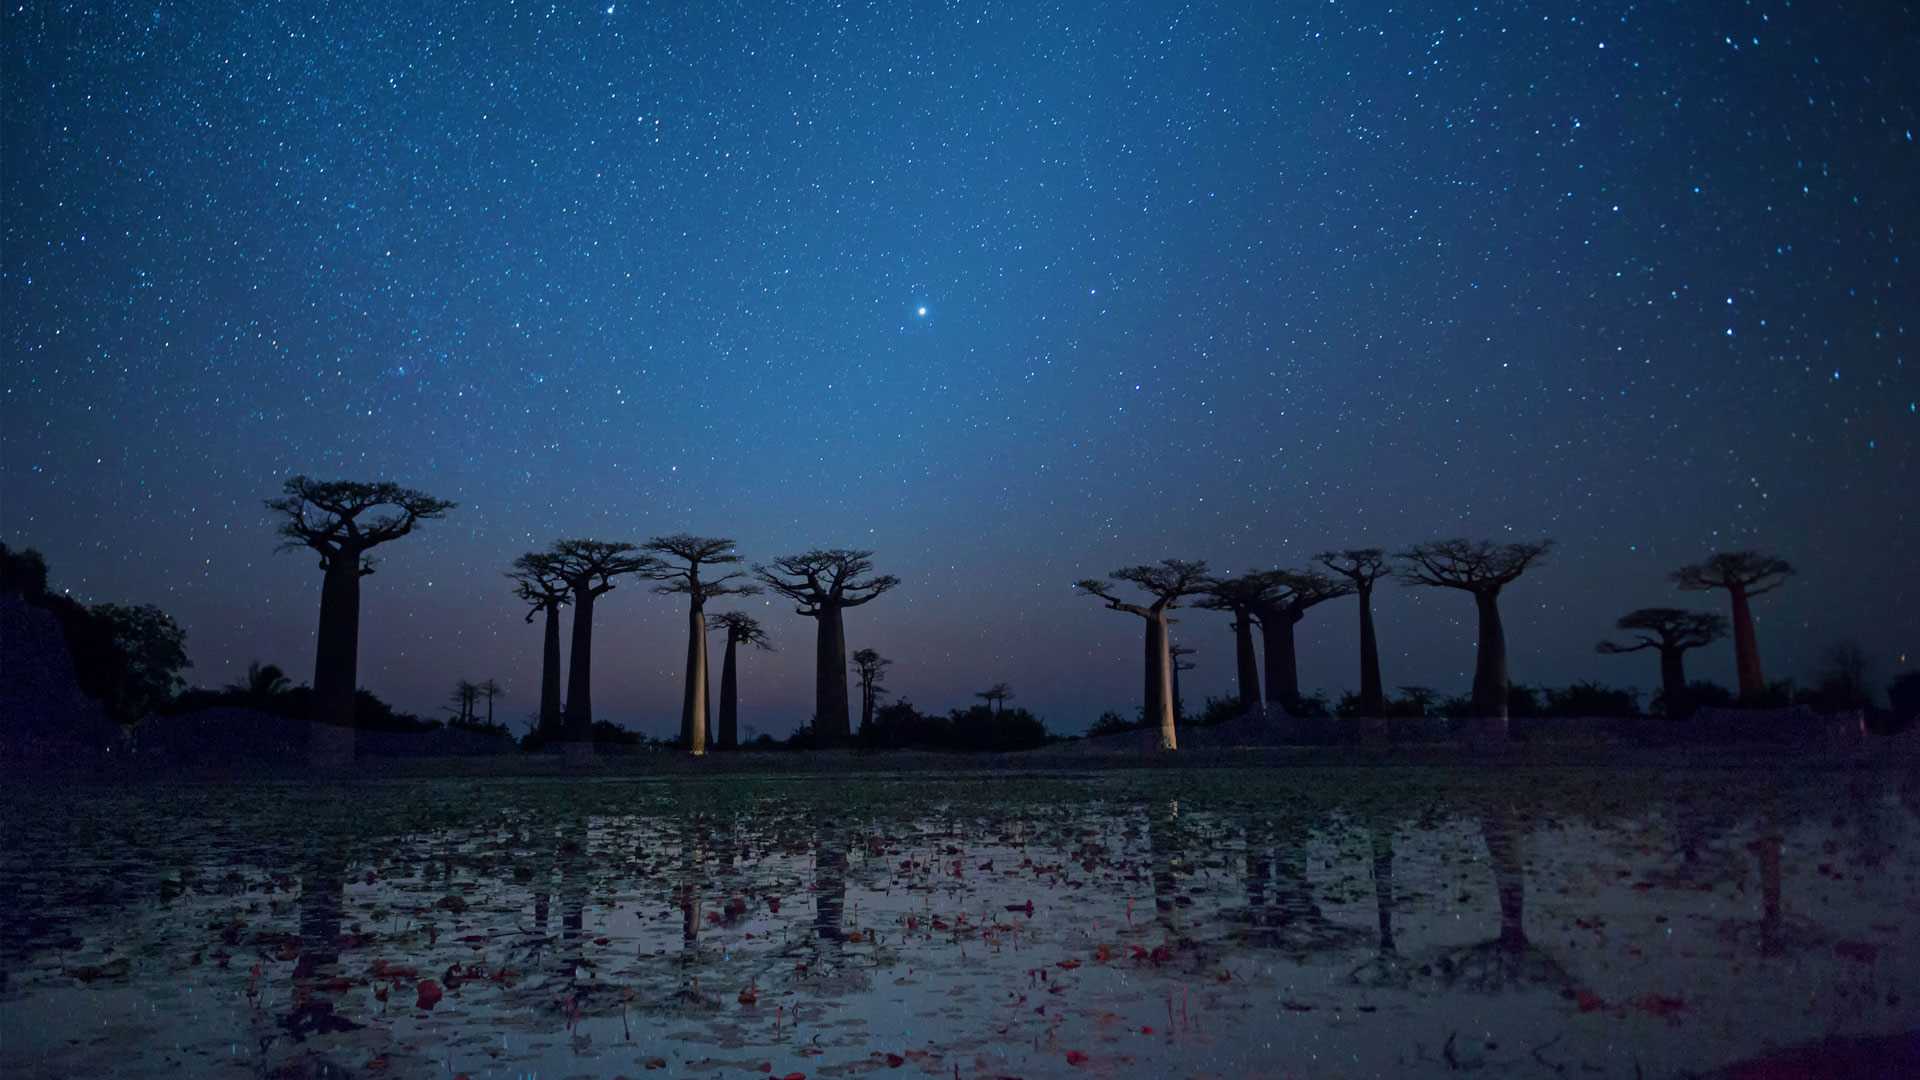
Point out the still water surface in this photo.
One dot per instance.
(1364, 922)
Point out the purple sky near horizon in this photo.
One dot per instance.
(1011, 293)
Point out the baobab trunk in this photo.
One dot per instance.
(729, 699)
(550, 676)
(693, 704)
(1673, 682)
(1283, 674)
(1746, 651)
(579, 719)
(1373, 696)
(335, 664)
(1150, 664)
(830, 709)
(1163, 667)
(1490, 671)
(1249, 669)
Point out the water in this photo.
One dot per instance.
(1363, 922)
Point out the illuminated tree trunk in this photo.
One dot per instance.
(693, 703)
(1162, 712)
(1373, 696)
(579, 717)
(1156, 642)
(550, 676)
(335, 663)
(831, 716)
(1490, 669)
(729, 698)
(1746, 650)
(1249, 669)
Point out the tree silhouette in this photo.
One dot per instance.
(588, 568)
(1243, 597)
(683, 577)
(342, 520)
(537, 581)
(462, 698)
(1363, 567)
(996, 696)
(869, 665)
(1745, 575)
(1290, 594)
(1671, 631)
(1166, 582)
(490, 689)
(262, 683)
(825, 582)
(1481, 568)
(742, 629)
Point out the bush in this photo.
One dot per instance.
(898, 724)
(1591, 699)
(1112, 723)
(984, 728)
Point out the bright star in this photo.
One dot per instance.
(921, 311)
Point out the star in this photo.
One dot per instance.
(921, 311)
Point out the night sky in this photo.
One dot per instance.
(1012, 293)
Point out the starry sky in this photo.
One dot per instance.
(1011, 293)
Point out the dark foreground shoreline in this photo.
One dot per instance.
(1896, 752)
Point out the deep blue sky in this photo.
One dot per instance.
(1225, 281)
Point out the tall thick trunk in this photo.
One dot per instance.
(1746, 650)
(1373, 696)
(579, 716)
(1248, 668)
(1490, 669)
(729, 697)
(830, 710)
(336, 663)
(550, 676)
(693, 702)
(1162, 711)
(1283, 673)
(866, 705)
(1673, 682)
(1150, 664)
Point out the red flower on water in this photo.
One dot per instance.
(429, 993)
(1075, 1057)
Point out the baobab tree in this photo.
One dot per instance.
(490, 689)
(741, 629)
(537, 581)
(588, 568)
(1289, 596)
(1242, 597)
(1362, 567)
(1745, 575)
(996, 696)
(869, 665)
(1671, 631)
(465, 694)
(1166, 583)
(679, 573)
(344, 520)
(825, 582)
(1481, 568)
